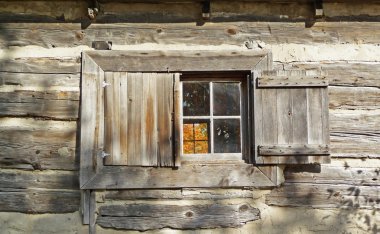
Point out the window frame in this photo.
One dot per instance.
(93, 175)
(218, 77)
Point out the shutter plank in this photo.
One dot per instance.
(315, 118)
(112, 118)
(123, 119)
(300, 124)
(134, 118)
(149, 120)
(284, 116)
(164, 118)
(269, 116)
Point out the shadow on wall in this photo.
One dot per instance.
(349, 197)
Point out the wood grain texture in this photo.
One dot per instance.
(229, 175)
(60, 105)
(177, 61)
(41, 65)
(88, 138)
(301, 81)
(38, 144)
(35, 201)
(281, 149)
(295, 116)
(144, 217)
(138, 119)
(68, 35)
(184, 193)
(325, 196)
(348, 174)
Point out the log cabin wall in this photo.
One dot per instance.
(40, 48)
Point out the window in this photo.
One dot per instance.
(151, 110)
(211, 117)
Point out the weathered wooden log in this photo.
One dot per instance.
(351, 74)
(38, 144)
(349, 175)
(192, 194)
(38, 179)
(325, 196)
(68, 35)
(39, 201)
(354, 98)
(146, 217)
(37, 81)
(41, 65)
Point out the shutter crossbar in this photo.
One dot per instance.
(284, 150)
(292, 81)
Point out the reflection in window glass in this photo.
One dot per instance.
(226, 97)
(196, 138)
(196, 99)
(227, 136)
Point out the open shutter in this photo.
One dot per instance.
(138, 119)
(291, 119)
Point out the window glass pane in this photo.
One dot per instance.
(226, 98)
(227, 136)
(196, 98)
(196, 137)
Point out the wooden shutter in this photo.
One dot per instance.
(291, 119)
(138, 123)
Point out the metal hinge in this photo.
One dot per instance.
(103, 154)
(105, 84)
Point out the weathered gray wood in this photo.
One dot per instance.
(85, 207)
(291, 81)
(146, 217)
(88, 139)
(19, 179)
(134, 104)
(149, 139)
(348, 174)
(38, 144)
(41, 65)
(69, 35)
(190, 193)
(352, 74)
(165, 118)
(112, 119)
(350, 98)
(325, 196)
(32, 81)
(355, 133)
(124, 100)
(177, 120)
(298, 116)
(49, 104)
(177, 61)
(39, 201)
(281, 149)
(93, 215)
(229, 175)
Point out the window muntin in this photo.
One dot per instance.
(211, 119)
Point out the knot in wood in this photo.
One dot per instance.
(243, 208)
(189, 214)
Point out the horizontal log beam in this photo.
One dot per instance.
(325, 196)
(40, 201)
(69, 35)
(144, 217)
(176, 61)
(38, 144)
(229, 175)
(284, 150)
